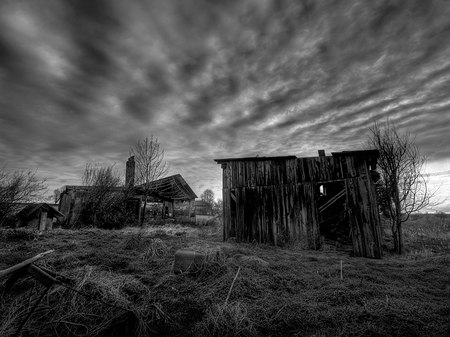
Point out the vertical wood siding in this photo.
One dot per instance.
(276, 201)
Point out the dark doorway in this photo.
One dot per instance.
(333, 214)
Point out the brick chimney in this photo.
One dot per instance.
(129, 173)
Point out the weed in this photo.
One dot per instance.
(134, 241)
(423, 253)
(19, 234)
(157, 248)
(228, 319)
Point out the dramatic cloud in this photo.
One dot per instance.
(82, 81)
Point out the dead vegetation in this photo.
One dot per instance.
(123, 286)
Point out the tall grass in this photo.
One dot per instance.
(132, 290)
(106, 310)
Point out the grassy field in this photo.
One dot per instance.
(122, 285)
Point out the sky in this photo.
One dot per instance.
(83, 81)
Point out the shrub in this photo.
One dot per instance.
(103, 205)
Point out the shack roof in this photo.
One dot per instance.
(357, 153)
(168, 188)
(173, 188)
(30, 210)
(253, 159)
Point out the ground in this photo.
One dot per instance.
(123, 285)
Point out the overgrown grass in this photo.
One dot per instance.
(277, 292)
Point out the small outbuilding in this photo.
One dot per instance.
(308, 201)
(39, 216)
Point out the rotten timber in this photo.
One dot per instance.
(277, 199)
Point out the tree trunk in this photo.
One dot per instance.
(143, 211)
(398, 219)
(394, 234)
(400, 238)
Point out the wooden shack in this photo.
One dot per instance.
(276, 200)
(39, 216)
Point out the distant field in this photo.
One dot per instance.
(277, 292)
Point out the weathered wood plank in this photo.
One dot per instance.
(24, 263)
(279, 196)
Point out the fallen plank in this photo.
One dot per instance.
(23, 263)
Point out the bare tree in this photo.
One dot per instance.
(57, 194)
(103, 203)
(403, 186)
(208, 197)
(218, 207)
(18, 187)
(150, 166)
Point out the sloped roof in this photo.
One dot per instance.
(84, 188)
(30, 209)
(356, 153)
(219, 161)
(172, 187)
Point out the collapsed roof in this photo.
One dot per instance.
(169, 188)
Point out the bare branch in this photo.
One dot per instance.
(404, 189)
(18, 187)
(104, 202)
(150, 166)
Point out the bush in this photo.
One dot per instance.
(16, 188)
(108, 212)
(103, 205)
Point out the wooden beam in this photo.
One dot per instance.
(233, 196)
(331, 201)
(24, 263)
(40, 275)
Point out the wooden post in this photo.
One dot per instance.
(129, 173)
(49, 223)
(42, 220)
(163, 214)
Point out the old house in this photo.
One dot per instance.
(39, 216)
(171, 197)
(305, 200)
(173, 194)
(203, 208)
(71, 198)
